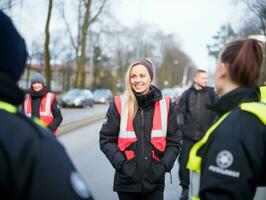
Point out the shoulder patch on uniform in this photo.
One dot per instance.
(79, 185)
(224, 160)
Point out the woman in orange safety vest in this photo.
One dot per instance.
(42, 104)
(140, 136)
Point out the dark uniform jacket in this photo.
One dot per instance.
(35, 107)
(142, 173)
(194, 107)
(234, 158)
(33, 165)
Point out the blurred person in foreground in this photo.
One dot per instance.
(140, 136)
(41, 103)
(230, 161)
(193, 107)
(33, 165)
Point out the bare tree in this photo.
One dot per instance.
(174, 61)
(35, 54)
(48, 73)
(224, 34)
(7, 4)
(124, 45)
(258, 7)
(74, 41)
(87, 15)
(249, 26)
(87, 21)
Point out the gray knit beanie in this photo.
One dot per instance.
(146, 63)
(37, 77)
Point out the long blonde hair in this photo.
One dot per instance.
(130, 99)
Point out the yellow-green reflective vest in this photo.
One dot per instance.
(8, 107)
(13, 109)
(263, 94)
(194, 162)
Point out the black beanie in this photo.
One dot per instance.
(13, 53)
(146, 63)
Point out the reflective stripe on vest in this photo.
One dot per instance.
(45, 106)
(45, 110)
(194, 162)
(8, 107)
(159, 125)
(256, 108)
(12, 109)
(127, 134)
(263, 94)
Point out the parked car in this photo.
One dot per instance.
(102, 96)
(177, 94)
(77, 98)
(174, 93)
(168, 92)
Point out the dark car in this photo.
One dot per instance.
(77, 98)
(102, 96)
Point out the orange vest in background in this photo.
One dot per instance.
(45, 109)
(127, 134)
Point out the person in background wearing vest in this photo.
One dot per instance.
(42, 104)
(33, 164)
(140, 136)
(197, 118)
(230, 161)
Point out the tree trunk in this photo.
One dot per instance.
(47, 65)
(80, 74)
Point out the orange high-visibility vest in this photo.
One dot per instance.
(45, 109)
(127, 134)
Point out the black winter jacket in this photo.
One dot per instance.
(239, 143)
(142, 173)
(33, 164)
(35, 105)
(194, 107)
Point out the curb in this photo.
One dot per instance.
(71, 126)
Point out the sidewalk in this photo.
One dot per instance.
(75, 119)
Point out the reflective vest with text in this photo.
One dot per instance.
(194, 162)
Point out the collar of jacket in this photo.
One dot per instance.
(39, 94)
(232, 99)
(200, 90)
(9, 91)
(146, 100)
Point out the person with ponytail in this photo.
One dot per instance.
(230, 161)
(140, 136)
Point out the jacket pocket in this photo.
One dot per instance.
(127, 175)
(157, 172)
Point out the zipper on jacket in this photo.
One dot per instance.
(171, 180)
(142, 144)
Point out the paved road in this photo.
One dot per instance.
(73, 114)
(83, 147)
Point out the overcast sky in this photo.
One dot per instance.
(195, 21)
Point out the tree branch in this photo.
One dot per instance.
(68, 29)
(93, 19)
